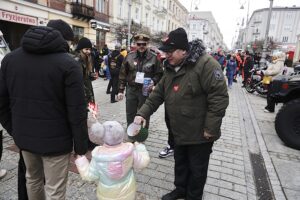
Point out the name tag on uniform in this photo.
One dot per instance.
(139, 78)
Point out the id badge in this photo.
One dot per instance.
(139, 78)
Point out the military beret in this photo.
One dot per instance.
(142, 37)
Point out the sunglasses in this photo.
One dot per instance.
(141, 44)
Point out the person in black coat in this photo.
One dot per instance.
(115, 60)
(248, 65)
(42, 105)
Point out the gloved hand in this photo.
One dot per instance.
(120, 96)
(139, 120)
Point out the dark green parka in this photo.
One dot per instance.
(195, 97)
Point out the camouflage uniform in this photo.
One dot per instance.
(137, 62)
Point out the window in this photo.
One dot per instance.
(153, 23)
(289, 15)
(194, 26)
(100, 6)
(78, 32)
(285, 39)
(137, 13)
(287, 27)
(120, 13)
(85, 2)
(100, 38)
(273, 15)
(146, 19)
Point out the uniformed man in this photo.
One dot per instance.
(194, 91)
(138, 65)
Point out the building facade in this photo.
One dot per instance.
(16, 16)
(177, 15)
(153, 17)
(202, 25)
(283, 31)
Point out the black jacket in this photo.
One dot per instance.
(118, 58)
(42, 101)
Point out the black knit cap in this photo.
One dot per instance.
(83, 43)
(177, 39)
(64, 28)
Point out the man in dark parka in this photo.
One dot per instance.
(194, 91)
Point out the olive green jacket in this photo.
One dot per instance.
(133, 63)
(195, 97)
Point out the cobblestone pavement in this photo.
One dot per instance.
(246, 130)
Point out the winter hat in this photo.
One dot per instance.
(113, 133)
(83, 43)
(177, 39)
(63, 28)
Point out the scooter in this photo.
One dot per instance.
(257, 81)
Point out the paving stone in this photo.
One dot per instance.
(232, 194)
(229, 176)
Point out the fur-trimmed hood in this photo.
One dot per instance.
(197, 49)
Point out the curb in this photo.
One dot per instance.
(272, 174)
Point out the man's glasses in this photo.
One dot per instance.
(170, 51)
(141, 44)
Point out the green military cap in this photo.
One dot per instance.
(141, 37)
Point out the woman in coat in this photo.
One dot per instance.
(84, 49)
(274, 69)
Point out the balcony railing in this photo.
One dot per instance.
(79, 10)
(161, 11)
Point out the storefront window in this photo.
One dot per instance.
(78, 33)
(100, 39)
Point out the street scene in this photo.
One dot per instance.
(149, 100)
(246, 130)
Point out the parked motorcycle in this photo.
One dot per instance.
(257, 81)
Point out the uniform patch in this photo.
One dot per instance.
(176, 88)
(218, 75)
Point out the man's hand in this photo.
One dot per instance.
(207, 135)
(151, 86)
(139, 120)
(120, 96)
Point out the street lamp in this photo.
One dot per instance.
(264, 52)
(129, 23)
(246, 28)
(196, 3)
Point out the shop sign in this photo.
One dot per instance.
(17, 18)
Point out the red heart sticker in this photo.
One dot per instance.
(176, 88)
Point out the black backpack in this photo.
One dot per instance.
(113, 65)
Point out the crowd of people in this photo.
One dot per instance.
(241, 64)
(45, 93)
